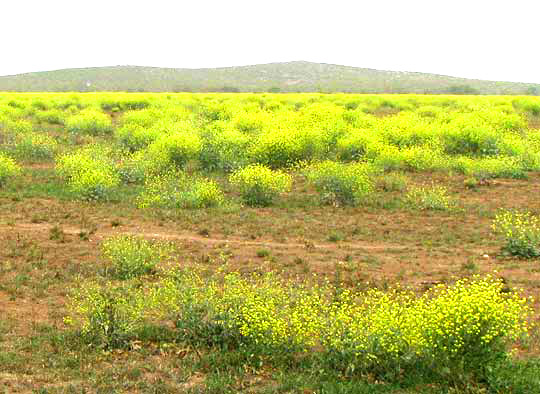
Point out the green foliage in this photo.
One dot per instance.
(177, 190)
(178, 148)
(492, 167)
(223, 149)
(53, 116)
(393, 182)
(32, 147)
(284, 148)
(15, 127)
(135, 137)
(123, 103)
(528, 105)
(341, 184)
(260, 185)
(132, 256)
(434, 197)
(354, 146)
(470, 135)
(451, 331)
(90, 174)
(89, 122)
(521, 231)
(107, 315)
(8, 169)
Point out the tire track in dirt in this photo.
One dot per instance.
(100, 233)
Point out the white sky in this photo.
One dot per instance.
(486, 39)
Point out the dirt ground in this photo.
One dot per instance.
(49, 245)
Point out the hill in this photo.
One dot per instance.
(298, 76)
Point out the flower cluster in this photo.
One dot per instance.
(521, 231)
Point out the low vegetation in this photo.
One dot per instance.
(273, 243)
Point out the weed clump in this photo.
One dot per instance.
(90, 174)
(341, 184)
(434, 197)
(107, 315)
(8, 169)
(132, 256)
(177, 149)
(521, 231)
(89, 122)
(177, 190)
(453, 332)
(260, 185)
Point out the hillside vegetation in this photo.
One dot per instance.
(269, 243)
(297, 76)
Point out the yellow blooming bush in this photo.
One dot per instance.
(33, 146)
(107, 314)
(223, 148)
(450, 330)
(470, 322)
(285, 147)
(132, 256)
(341, 184)
(91, 122)
(175, 189)
(260, 185)
(8, 169)
(178, 148)
(90, 174)
(434, 197)
(521, 231)
(135, 137)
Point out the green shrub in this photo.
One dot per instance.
(89, 177)
(341, 184)
(260, 185)
(8, 169)
(429, 111)
(107, 315)
(53, 116)
(354, 146)
(134, 137)
(434, 197)
(139, 166)
(178, 148)
(393, 182)
(15, 127)
(470, 135)
(224, 149)
(122, 103)
(491, 167)
(177, 190)
(521, 231)
(33, 146)
(452, 331)
(284, 148)
(133, 256)
(89, 122)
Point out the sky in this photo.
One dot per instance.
(495, 40)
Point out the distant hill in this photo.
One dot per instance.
(296, 76)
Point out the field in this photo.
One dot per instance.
(269, 243)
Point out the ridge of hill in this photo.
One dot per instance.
(296, 76)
